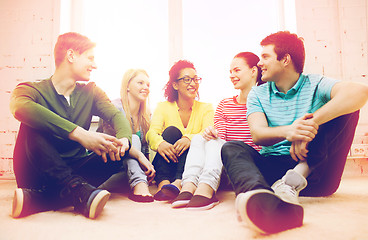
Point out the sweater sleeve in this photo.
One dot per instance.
(108, 112)
(26, 109)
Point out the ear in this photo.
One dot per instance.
(70, 55)
(254, 70)
(175, 86)
(287, 59)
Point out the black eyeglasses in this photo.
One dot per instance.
(188, 80)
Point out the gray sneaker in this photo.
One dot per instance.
(289, 186)
(265, 212)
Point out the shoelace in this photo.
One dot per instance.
(284, 188)
(70, 186)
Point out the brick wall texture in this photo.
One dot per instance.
(335, 34)
(27, 29)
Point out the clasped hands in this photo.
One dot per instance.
(300, 133)
(173, 151)
(210, 133)
(116, 149)
(100, 143)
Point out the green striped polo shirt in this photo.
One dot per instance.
(308, 94)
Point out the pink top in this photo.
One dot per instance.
(231, 122)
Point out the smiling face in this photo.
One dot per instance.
(186, 90)
(83, 64)
(138, 87)
(241, 75)
(271, 68)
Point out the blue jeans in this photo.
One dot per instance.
(134, 174)
(248, 170)
(134, 170)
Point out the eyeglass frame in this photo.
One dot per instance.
(196, 80)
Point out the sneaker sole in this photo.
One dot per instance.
(18, 201)
(180, 203)
(98, 204)
(207, 207)
(263, 220)
(240, 206)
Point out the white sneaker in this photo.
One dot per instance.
(265, 212)
(289, 186)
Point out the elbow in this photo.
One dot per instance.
(258, 142)
(365, 91)
(261, 140)
(17, 108)
(360, 89)
(15, 111)
(363, 95)
(256, 139)
(13, 108)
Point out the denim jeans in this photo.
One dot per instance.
(203, 164)
(248, 170)
(134, 170)
(169, 171)
(133, 175)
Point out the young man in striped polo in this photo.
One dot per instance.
(305, 123)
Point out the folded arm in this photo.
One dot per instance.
(303, 129)
(346, 97)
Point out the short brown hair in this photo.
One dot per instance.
(71, 40)
(287, 43)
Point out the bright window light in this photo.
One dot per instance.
(134, 34)
(215, 31)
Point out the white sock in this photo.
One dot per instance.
(303, 169)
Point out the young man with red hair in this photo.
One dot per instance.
(57, 161)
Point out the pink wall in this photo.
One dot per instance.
(336, 41)
(335, 33)
(28, 30)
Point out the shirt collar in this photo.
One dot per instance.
(293, 90)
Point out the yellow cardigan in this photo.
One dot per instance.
(167, 114)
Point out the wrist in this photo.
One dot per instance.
(130, 146)
(124, 141)
(76, 134)
(141, 157)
